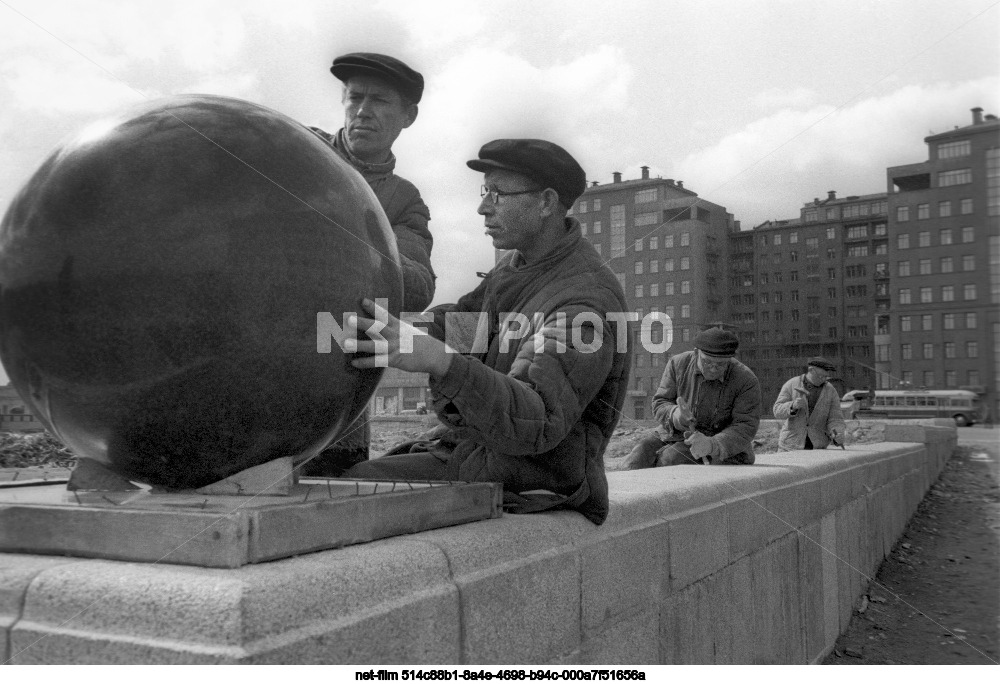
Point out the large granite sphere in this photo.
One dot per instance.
(160, 280)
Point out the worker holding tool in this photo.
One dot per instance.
(708, 405)
(810, 407)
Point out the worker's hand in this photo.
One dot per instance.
(837, 435)
(703, 448)
(394, 343)
(682, 418)
(800, 403)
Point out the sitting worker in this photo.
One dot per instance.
(708, 405)
(532, 409)
(810, 407)
(380, 96)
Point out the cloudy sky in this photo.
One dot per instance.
(758, 105)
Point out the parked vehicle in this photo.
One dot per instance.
(961, 405)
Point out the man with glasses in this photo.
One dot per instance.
(533, 401)
(810, 407)
(708, 405)
(380, 96)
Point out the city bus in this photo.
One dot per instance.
(961, 405)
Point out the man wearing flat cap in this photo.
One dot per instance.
(534, 400)
(810, 407)
(708, 405)
(380, 96)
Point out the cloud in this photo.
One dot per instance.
(775, 164)
(778, 98)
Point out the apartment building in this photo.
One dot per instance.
(943, 326)
(668, 248)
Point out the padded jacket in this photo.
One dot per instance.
(534, 407)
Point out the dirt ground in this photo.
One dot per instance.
(936, 598)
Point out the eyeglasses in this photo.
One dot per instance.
(714, 364)
(495, 195)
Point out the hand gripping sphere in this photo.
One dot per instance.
(161, 277)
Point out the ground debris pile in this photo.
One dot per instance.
(33, 450)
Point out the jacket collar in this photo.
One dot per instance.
(340, 144)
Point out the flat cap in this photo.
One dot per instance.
(822, 363)
(540, 160)
(409, 82)
(717, 342)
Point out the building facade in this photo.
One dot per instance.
(943, 328)
(668, 248)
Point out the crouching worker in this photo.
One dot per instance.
(708, 405)
(810, 407)
(535, 410)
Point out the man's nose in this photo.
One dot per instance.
(485, 205)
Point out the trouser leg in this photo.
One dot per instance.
(643, 454)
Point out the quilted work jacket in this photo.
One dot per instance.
(408, 216)
(728, 409)
(537, 412)
(817, 423)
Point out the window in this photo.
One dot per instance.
(668, 288)
(654, 266)
(928, 350)
(831, 274)
(668, 242)
(654, 242)
(647, 219)
(685, 287)
(947, 265)
(654, 290)
(644, 196)
(956, 177)
(904, 295)
(948, 321)
(638, 244)
(970, 320)
(947, 293)
(831, 311)
(793, 276)
(923, 212)
(965, 206)
(972, 377)
(924, 239)
(857, 271)
(944, 208)
(583, 227)
(794, 295)
(685, 311)
(793, 237)
(831, 233)
(685, 263)
(950, 150)
(597, 205)
(597, 227)
(950, 378)
(903, 241)
(925, 295)
(904, 323)
(925, 267)
(969, 292)
(903, 268)
(668, 265)
(857, 290)
(928, 378)
(832, 213)
(638, 268)
(969, 234)
(972, 349)
(583, 206)
(881, 352)
(831, 254)
(638, 290)
(764, 297)
(854, 232)
(685, 239)
(617, 224)
(993, 181)
(906, 351)
(857, 250)
(831, 292)
(812, 244)
(902, 214)
(927, 321)
(969, 262)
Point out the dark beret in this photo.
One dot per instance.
(717, 342)
(543, 162)
(820, 362)
(409, 82)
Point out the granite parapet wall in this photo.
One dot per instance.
(759, 564)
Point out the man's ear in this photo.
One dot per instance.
(411, 115)
(550, 202)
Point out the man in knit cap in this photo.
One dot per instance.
(380, 95)
(708, 405)
(810, 407)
